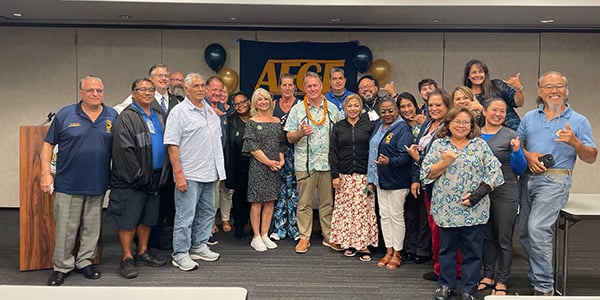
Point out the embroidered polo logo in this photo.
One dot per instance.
(74, 124)
(388, 138)
(108, 126)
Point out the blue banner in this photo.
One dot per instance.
(261, 63)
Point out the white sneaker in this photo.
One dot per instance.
(268, 243)
(274, 236)
(258, 244)
(206, 254)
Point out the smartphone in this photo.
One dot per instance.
(547, 160)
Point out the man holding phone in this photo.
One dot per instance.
(554, 136)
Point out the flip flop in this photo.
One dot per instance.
(486, 286)
(350, 252)
(496, 290)
(364, 255)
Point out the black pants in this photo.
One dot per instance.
(240, 209)
(418, 236)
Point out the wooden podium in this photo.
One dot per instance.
(36, 236)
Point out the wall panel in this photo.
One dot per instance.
(38, 76)
(118, 56)
(577, 57)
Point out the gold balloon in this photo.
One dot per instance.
(230, 79)
(381, 70)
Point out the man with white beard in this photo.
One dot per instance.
(554, 136)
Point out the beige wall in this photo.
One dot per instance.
(41, 67)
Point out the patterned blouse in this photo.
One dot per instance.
(312, 151)
(475, 164)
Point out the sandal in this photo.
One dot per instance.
(350, 252)
(485, 285)
(364, 255)
(496, 290)
(394, 263)
(226, 226)
(384, 261)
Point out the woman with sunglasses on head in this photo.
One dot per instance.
(438, 104)
(497, 244)
(463, 170)
(284, 213)
(394, 174)
(353, 221)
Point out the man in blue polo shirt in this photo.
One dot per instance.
(338, 93)
(83, 132)
(554, 136)
(138, 172)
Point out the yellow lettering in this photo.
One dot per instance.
(269, 77)
(270, 74)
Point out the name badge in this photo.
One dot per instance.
(373, 116)
(150, 126)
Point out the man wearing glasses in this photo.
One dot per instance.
(139, 156)
(368, 91)
(159, 74)
(554, 136)
(83, 132)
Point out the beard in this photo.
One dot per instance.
(556, 108)
(178, 91)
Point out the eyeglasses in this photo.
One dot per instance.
(144, 90)
(236, 105)
(364, 87)
(551, 86)
(91, 91)
(386, 111)
(459, 122)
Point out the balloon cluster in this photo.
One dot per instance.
(380, 69)
(215, 56)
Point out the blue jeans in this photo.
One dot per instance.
(541, 203)
(470, 241)
(194, 216)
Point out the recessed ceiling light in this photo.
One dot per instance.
(437, 21)
(335, 20)
(125, 17)
(547, 21)
(232, 19)
(17, 14)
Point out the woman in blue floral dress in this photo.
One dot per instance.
(463, 171)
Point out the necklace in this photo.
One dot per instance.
(309, 115)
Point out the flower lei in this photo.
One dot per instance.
(309, 115)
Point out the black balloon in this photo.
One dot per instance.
(215, 56)
(362, 58)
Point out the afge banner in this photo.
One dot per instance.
(261, 63)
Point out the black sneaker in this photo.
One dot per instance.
(431, 276)
(444, 292)
(128, 269)
(148, 259)
(212, 240)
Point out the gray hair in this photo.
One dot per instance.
(312, 74)
(187, 81)
(539, 82)
(156, 66)
(335, 70)
(88, 77)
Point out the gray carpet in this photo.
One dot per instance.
(282, 274)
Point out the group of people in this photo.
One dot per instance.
(442, 180)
